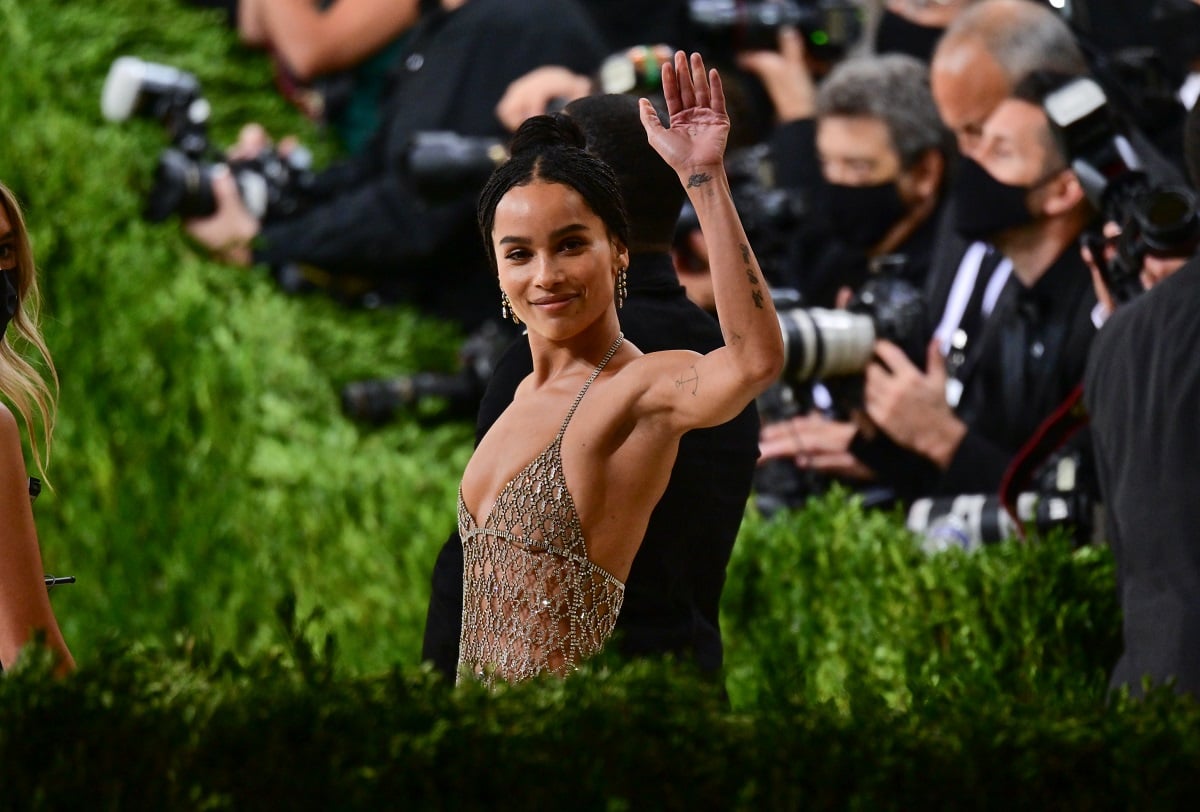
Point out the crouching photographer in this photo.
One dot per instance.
(362, 232)
(1141, 387)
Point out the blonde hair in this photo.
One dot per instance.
(27, 389)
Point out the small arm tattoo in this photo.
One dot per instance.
(681, 381)
(699, 179)
(751, 276)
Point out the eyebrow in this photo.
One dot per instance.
(554, 235)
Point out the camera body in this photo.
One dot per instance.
(1156, 219)
(821, 344)
(135, 88)
(377, 401)
(270, 184)
(1059, 499)
(443, 165)
(829, 27)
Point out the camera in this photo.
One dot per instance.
(1060, 499)
(135, 88)
(823, 343)
(829, 27)
(442, 165)
(825, 352)
(1156, 219)
(270, 184)
(971, 521)
(377, 401)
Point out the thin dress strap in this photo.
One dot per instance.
(595, 374)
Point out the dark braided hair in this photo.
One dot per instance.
(550, 149)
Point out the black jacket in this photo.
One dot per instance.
(673, 592)
(1141, 390)
(1034, 350)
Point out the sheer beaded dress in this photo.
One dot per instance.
(532, 600)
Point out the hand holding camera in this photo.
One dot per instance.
(233, 191)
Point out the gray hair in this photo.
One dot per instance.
(1022, 37)
(893, 88)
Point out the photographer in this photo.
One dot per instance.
(882, 154)
(1141, 388)
(1022, 197)
(362, 225)
(988, 49)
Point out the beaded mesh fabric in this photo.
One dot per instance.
(532, 600)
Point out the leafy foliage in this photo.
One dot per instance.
(253, 568)
(202, 467)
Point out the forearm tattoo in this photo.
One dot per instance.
(752, 276)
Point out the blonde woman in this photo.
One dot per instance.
(25, 611)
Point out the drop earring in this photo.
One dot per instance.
(506, 309)
(622, 287)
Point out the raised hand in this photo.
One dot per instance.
(699, 125)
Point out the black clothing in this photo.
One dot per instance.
(818, 263)
(625, 23)
(673, 592)
(366, 220)
(1034, 352)
(1141, 391)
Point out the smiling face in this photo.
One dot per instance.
(556, 260)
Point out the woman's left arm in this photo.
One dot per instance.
(710, 389)
(24, 602)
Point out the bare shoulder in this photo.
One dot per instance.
(10, 432)
(12, 456)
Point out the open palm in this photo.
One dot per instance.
(696, 105)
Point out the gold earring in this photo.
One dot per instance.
(507, 310)
(622, 287)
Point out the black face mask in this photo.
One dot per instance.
(983, 206)
(898, 35)
(12, 298)
(861, 215)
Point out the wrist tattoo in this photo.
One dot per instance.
(699, 179)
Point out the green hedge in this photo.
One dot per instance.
(195, 731)
(202, 469)
(205, 480)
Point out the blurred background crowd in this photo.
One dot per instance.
(952, 200)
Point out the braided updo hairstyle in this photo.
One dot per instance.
(550, 149)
